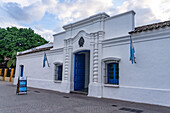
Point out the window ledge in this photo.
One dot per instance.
(111, 85)
(57, 81)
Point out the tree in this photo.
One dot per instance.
(13, 40)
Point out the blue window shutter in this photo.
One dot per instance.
(60, 72)
(113, 73)
(22, 70)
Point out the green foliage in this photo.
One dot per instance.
(13, 40)
(12, 60)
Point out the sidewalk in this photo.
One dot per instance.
(45, 101)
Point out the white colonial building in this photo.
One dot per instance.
(92, 56)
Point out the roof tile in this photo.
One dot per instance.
(151, 27)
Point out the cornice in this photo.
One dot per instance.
(137, 38)
(97, 17)
(59, 33)
(116, 40)
(115, 16)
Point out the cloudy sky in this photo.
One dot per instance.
(47, 17)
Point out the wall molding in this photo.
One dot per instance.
(149, 36)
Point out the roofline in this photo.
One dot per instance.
(114, 16)
(59, 33)
(150, 27)
(35, 51)
(86, 20)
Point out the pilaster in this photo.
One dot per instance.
(67, 65)
(95, 86)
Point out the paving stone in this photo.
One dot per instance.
(45, 101)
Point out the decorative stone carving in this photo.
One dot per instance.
(81, 42)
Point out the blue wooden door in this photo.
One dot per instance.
(79, 74)
(22, 70)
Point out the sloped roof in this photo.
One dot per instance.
(36, 49)
(151, 27)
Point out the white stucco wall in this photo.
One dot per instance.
(38, 76)
(89, 28)
(119, 25)
(59, 40)
(124, 23)
(147, 81)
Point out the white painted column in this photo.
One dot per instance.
(67, 66)
(95, 87)
(100, 51)
(70, 52)
(91, 61)
(100, 56)
(66, 61)
(95, 58)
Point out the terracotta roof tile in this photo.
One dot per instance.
(151, 27)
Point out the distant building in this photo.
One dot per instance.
(92, 56)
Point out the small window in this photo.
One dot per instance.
(21, 70)
(113, 73)
(58, 72)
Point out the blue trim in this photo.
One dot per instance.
(108, 68)
(59, 72)
(75, 63)
(22, 70)
(113, 73)
(82, 51)
(74, 68)
(44, 60)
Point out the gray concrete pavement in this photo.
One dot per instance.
(44, 101)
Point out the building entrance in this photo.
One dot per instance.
(81, 71)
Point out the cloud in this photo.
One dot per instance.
(33, 12)
(147, 11)
(47, 34)
(16, 12)
(69, 11)
(72, 10)
(21, 2)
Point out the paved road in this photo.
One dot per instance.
(44, 101)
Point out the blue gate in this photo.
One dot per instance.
(79, 72)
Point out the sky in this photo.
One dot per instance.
(46, 17)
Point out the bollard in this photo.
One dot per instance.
(0, 72)
(11, 75)
(5, 74)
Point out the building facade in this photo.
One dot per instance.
(92, 56)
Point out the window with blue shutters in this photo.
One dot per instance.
(112, 73)
(58, 72)
(21, 70)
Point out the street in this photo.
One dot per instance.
(45, 101)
